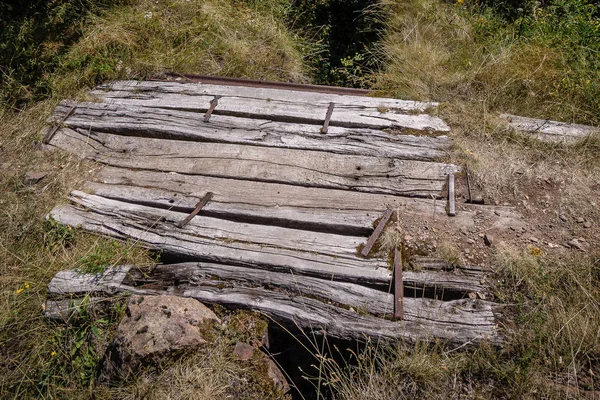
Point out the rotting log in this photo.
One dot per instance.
(458, 322)
(263, 164)
(275, 249)
(289, 109)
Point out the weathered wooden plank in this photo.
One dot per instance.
(360, 298)
(245, 207)
(340, 246)
(265, 164)
(184, 125)
(196, 89)
(457, 321)
(176, 278)
(551, 131)
(289, 205)
(290, 109)
(155, 228)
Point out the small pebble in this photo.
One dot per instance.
(580, 220)
(563, 217)
(533, 239)
(488, 240)
(587, 224)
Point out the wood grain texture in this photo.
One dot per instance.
(184, 125)
(263, 164)
(550, 131)
(262, 247)
(458, 322)
(357, 208)
(195, 89)
(289, 109)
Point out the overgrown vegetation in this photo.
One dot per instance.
(539, 59)
(552, 350)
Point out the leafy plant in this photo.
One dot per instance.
(56, 234)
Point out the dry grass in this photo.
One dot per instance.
(206, 37)
(433, 50)
(203, 37)
(507, 167)
(211, 373)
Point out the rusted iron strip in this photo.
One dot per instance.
(327, 118)
(398, 286)
(451, 200)
(51, 134)
(213, 104)
(199, 207)
(375, 235)
(220, 80)
(469, 184)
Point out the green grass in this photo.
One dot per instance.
(545, 62)
(540, 62)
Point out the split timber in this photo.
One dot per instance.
(290, 205)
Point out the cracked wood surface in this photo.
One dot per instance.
(285, 106)
(131, 120)
(272, 248)
(458, 321)
(264, 164)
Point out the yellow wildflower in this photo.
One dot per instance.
(26, 286)
(19, 290)
(535, 251)
(460, 1)
(53, 353)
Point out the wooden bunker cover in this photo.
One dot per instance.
(293, 183)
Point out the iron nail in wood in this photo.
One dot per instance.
(51, 134)
(469, 184)
(199, 207)
(375, 235)
(213, 104)
(451, 200)
(398, 286)
(327, 118)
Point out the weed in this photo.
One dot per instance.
(449, 252)
(57, 235)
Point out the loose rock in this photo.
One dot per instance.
(563, 217)
(155, 326)
(574, 243)
(33, 177)
(587, 224)
(243, 351)
(488, 240)
(580, 220)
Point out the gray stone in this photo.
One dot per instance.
(574, 243)
(533, 239)
(587, 224)
(563, 217)
(580, 220)
(33, 177)
(155, 326)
